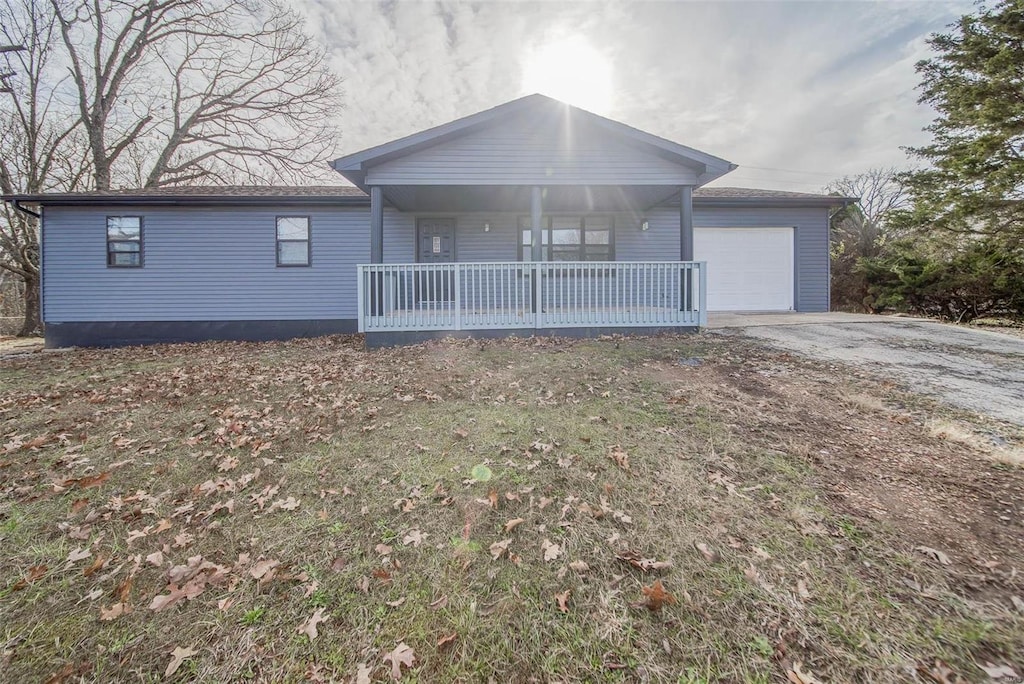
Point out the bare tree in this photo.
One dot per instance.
(198, 90)
(860, 231)
(38, 140)
(149, 93)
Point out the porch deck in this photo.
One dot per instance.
(523, 295)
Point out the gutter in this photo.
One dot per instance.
(184, 201)
(16, 203)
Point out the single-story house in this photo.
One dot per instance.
(530, 217)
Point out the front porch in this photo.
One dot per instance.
(467, 297)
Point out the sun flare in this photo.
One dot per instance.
(572, 70)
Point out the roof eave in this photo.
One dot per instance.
(181, 200)
(775, 201)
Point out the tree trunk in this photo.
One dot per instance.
(32, 324)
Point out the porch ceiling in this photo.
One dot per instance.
(561, 198)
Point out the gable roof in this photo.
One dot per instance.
(354, 166)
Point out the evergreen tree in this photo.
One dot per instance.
(975, 179)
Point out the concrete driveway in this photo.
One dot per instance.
(977, 370)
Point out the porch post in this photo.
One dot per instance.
(537, 252)
(686, 245)
(376, 290)
(536, 249)
(686, 223)
(376, 225)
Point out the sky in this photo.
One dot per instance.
(795, 93)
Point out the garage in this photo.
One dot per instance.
(749, 269)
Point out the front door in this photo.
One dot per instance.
(435, 245)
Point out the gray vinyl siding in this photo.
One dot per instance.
(202, 264)
(522, 153)
(811, 240)
(219, 264)
(661, 242)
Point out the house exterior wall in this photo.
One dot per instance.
(811, 260)
(659, 243)
(219, 264)
(208, 264)
(522, 153)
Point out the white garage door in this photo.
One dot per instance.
(749, 269)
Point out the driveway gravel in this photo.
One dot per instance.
(977, 370)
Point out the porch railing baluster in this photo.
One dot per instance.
(496, 295)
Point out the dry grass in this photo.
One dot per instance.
(724, 479)
(962, 433)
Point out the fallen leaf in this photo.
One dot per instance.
(156, 558)
(563, 600)
(402, 655)
(34, 573)
(940, 672)
(96, 566)
(439, 603)
(363, 675)
(499, 548)
(338, 564)
(446, 641)
(999, 671)
(492, 496)
(640, 563)
(178, 655)
(709, 555)
(289, 504)
(579, 566)
(513, 524)
(124, 589)
(68, 671)
(414, 537)
(92, 481)
(656, 596)
(396, 602)
(262, 568)
(383, 549)
(934, 553)
(309, 626)
(619, 455)
(551, 550)
(801, 589)
(162, 601)
(78, 554)
(115, 611)
(796, 676)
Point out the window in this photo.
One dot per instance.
(569, 238)
(293, 241)
(124, 241)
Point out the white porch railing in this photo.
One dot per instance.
(507, 295)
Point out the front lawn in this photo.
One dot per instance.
(684, 509)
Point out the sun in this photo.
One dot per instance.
(572, 70)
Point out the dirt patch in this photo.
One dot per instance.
(17, 346)
(876, 461)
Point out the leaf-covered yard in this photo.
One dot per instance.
(682, 509)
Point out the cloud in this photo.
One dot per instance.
(826, 88)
